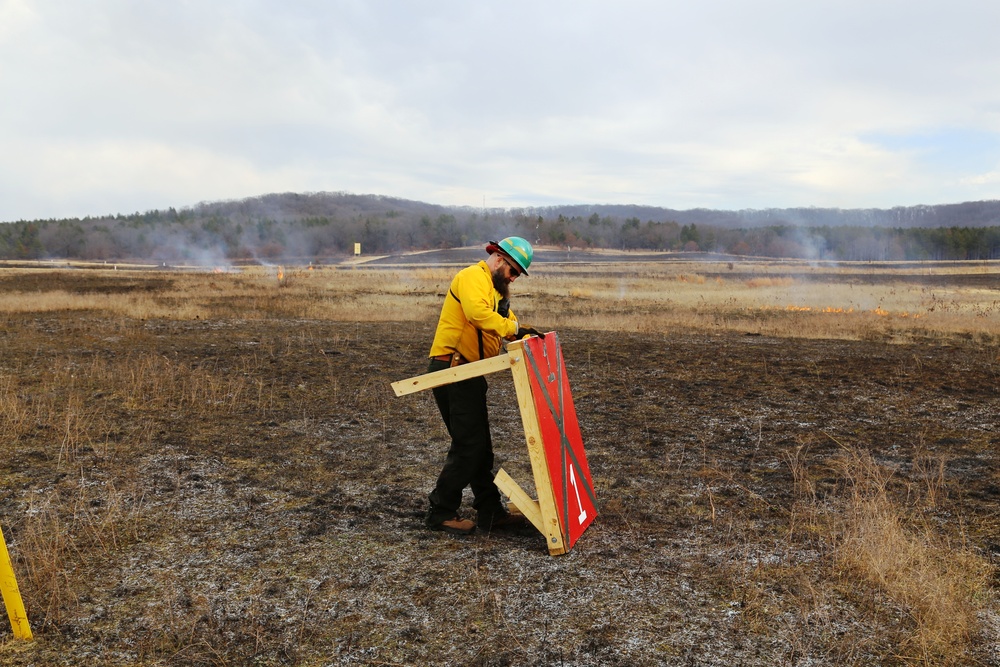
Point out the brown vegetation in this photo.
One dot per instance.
(211, 469)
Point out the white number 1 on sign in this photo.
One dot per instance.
(579, 503)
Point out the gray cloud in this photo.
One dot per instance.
(115, 106)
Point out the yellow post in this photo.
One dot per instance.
(11, 595)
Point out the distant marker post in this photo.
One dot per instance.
(11, 594)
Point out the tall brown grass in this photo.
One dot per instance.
(886, 550)
(856, 302)
(934, 576)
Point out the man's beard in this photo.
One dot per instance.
(500, 283)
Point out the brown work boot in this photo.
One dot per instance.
(456, 526)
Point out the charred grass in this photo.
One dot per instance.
(213, 470)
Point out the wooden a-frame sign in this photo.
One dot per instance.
(566, 502)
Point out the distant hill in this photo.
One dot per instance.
(969, 214)
(329, 224)
(290, 205)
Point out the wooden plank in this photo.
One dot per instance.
(520, 499)
(455, 374)
(536, 453)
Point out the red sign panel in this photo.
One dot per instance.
(576, 503)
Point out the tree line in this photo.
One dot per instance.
(328, 225)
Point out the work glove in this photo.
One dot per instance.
(503, 308)
(528, 331)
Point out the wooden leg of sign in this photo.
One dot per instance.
(11, 594)
(539, 466)
(519, 499)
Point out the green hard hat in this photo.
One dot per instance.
(518, 250)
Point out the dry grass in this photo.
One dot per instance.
(852, 307)
(857, 303)
(875, 542)
(938, 579)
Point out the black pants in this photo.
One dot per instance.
(470, 458)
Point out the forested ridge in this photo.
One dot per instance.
(325, 225)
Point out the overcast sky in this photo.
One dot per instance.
(117, 106)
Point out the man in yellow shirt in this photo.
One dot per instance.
(475, 320)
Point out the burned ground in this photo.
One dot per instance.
(251, 492)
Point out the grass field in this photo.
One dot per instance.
(901, 301)
(796, 464)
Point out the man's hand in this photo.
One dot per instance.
(528, 331)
